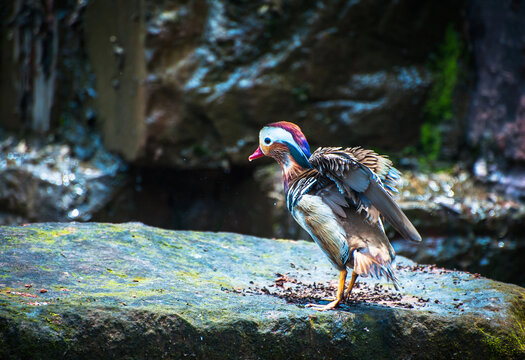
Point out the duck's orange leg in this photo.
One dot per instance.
(339, 296)
(351, 285)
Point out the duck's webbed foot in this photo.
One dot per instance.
(329, 306)
(338, 298)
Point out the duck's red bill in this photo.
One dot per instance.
(256, 154)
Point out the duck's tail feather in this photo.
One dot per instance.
(366, 264)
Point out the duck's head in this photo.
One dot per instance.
(285, 142)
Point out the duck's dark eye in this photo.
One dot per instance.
(267, 141)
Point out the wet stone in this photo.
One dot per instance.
(50, 180)
(131, 291)
(465, 223)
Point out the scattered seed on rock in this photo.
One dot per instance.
(296, 292)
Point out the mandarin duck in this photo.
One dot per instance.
(337, 195)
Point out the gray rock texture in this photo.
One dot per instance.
(189, 84)
(496, 119)
(497, 115)
(467, 225)
(49, 180)
(80, 291)
(356, 69)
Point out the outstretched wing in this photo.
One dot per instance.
(361, 175)
(380, 165)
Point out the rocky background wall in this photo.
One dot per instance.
(147, 110)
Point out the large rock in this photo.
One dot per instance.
(466, 225)
(129, 291)
(190, 84)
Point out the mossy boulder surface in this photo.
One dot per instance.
(129, 291)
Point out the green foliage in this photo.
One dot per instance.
(430, 140)
(445, 71)
(439, 106)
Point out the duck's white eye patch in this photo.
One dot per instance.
(275, 134)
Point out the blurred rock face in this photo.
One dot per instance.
(497, 112)
(467, 225)
(188, 84)
(497, 115)
(215, 72)
(50, 180)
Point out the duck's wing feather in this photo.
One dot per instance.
(380, 165)
(348, 170)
